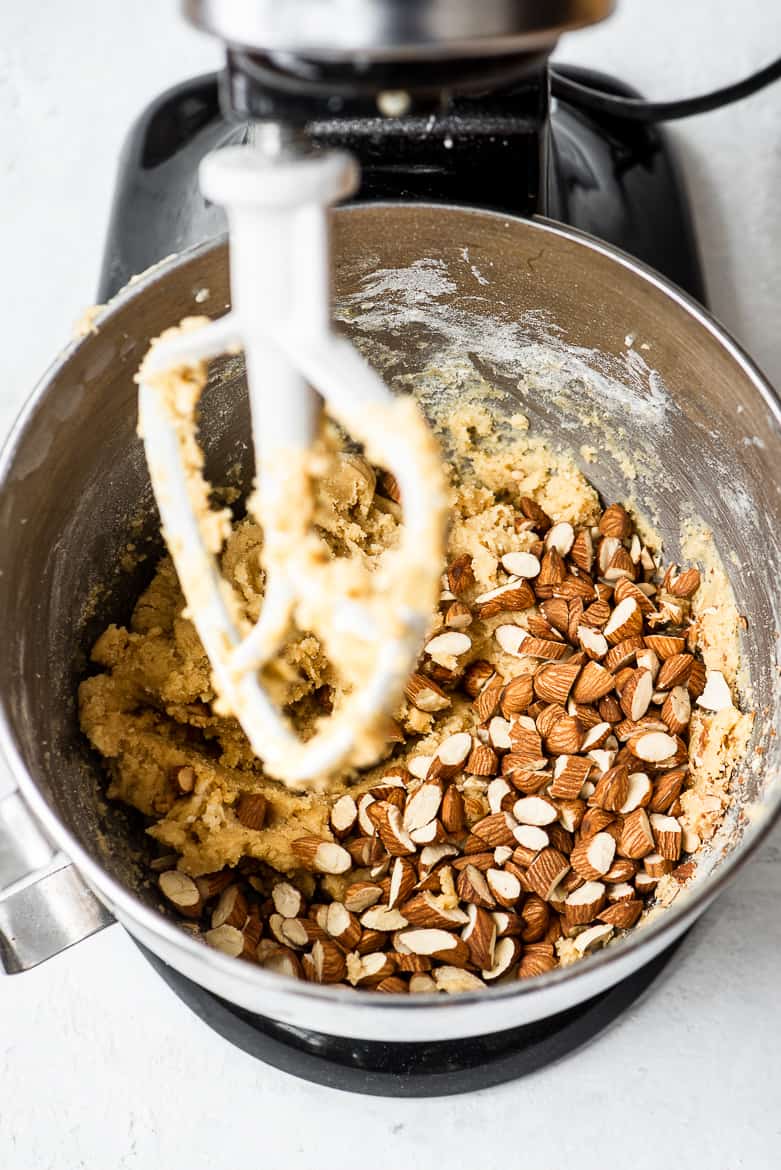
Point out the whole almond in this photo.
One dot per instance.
(460, 575)
(537, 959)
(565, 737)
(532, 511)
(612, 789)
(674, 672)
(637, 839)
(251, 809)
(593, 683)
(482, 761)
(452, 812)
(487, 702)
(685, 584)
(554, 680)
(667, 788)
(546, 871)
(582, 551)
(616, 521)
(622, 914)
(517, 695)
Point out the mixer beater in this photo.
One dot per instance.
(276, 191)
(276, 201)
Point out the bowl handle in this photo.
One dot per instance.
(45, 907)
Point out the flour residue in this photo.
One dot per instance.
(474, 269)
(528, 347)
(407, 287)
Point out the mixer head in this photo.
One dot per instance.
(296, 59)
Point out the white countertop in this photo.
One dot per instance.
(100, 1065)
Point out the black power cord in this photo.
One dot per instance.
(638, 110)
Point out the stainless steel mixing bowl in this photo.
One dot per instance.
(593, 347)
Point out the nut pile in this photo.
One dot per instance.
(551, 819)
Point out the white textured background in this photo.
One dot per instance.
(100, 1066)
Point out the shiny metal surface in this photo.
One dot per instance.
(46, 917)
(45, 907)
(23, 847)
(702, 426)
(393, 30)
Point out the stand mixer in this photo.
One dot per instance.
(438, 111)
(283, 62)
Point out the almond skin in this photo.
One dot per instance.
(554, 681)
(547, 798)
(594, 682)
(616, 521)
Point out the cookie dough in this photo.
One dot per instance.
(150, 710)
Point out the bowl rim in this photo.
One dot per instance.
(130, 907)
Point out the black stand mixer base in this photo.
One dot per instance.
(431, 1069)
